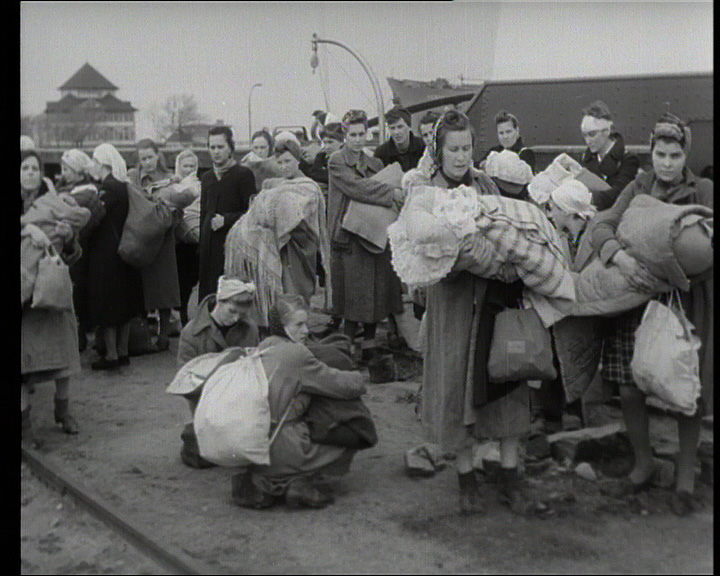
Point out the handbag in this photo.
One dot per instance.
(53, 286)
(665, 362)
(521, 348)
(144, 229)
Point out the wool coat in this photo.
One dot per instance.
(618, 168)
(389, 153)
(230, 198)
(698, 301)
(365, 287)
(114, 288)
(294, 375)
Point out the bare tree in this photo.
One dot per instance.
(177, 112)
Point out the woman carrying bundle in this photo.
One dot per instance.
(161, 288)
(296, 377)
(672, 182)
(459, 405)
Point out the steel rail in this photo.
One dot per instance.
(129, 528)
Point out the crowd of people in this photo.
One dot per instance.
(261, 235)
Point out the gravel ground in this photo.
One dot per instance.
(382, 521)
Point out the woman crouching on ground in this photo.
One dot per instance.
(297, 463)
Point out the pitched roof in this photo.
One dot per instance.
(108, 103)
(87, 78)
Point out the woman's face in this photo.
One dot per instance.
(457, 151)
(668, 160)
(70, 175)
(30, 177)
(356, 137)
(261, 147)
(296, 326)
(219, 149)
(187, 166)
(148, 159)
(556, 215)
(231, 311)
(288, 164)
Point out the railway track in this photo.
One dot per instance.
(129, 528)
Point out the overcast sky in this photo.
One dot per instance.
(217, 51)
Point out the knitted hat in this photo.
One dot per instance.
(76, 159)
(507, 166)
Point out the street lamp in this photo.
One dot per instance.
(250, 111)
(373, 79)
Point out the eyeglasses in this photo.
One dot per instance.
(593, 133)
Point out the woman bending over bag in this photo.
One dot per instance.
(672, 182)
(297, 462)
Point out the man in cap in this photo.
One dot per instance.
(508, 133)
(605, 155)
(402, 146)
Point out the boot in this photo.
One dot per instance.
(469, 501)
(63, 417)
(28, 434)
(513, 493)
(244, 493)
(302, 494)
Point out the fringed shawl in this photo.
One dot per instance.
(253, 244)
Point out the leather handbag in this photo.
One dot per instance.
(53, 286)
(521, 348)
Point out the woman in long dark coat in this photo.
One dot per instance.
(161, 287)
(224, 197)
(114, 287)
(365, 288)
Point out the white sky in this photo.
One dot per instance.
(216, 51)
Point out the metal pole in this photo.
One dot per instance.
(250, 111)
(373, 79)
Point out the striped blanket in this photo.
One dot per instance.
(440, 230)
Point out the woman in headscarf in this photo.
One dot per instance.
(671, 181)
(188, 230)
(276, 243)
(49, 347)
(295, 376)
(460, 406)
(260, 158)
(75, 180)
(114, 287)
(365, 288)
(161, 287)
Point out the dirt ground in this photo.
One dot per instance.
(382, 520)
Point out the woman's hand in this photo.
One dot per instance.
(635, 273)
(217, 222)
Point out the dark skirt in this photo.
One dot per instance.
(365, 287)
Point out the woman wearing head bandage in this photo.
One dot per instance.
(114, 288)
(605, 155)
(365, 288)
(298, 463)
(460, 407)
(671, 182)
(222, 320)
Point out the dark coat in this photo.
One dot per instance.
(319, 169)
(388, 153)
(114, 288)
(618, 168)
(525, 154)
(698, 302)
(229, 197)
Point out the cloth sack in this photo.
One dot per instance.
(53, 286)
(521, 348)
(232, 419)
(195, 372)
(665, 362)
(144, 230)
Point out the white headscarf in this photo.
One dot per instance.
(590, 123)
(187, 153)
(107, 155)
(508, 166)
(77, 160)
(573, 197)
(230, 287)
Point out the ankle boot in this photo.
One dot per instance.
(469, 501)
(63, 417)
(28, 434)
(513, 493)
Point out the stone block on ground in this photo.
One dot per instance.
(585, 471)
(666, 449)
(486, 455)
(589, 444)
(707, 422)
(417, 464)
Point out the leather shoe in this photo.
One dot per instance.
(303, 495)
(104, 364)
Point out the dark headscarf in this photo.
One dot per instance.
(281, 311)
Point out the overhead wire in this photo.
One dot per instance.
(370, 101)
